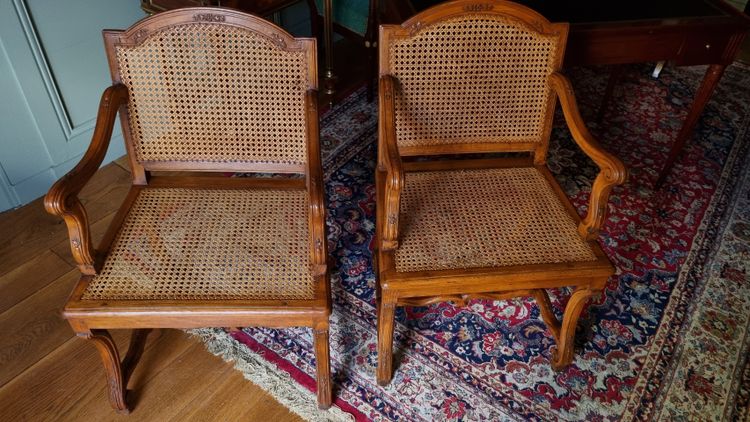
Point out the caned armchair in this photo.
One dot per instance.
(204, 90)
(473, 76)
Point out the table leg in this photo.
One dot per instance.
(615, 75)
(712, 77)
(329, 82)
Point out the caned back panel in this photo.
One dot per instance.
(206, 91)
(473, 75)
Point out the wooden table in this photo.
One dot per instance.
(685, 32)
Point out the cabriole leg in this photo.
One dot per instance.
(562, 355)
(117, 373)
(111, 359)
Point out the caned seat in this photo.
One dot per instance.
(204, 90)
(467, 77)
(517, 220)
(209, 244)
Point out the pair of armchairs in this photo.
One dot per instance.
(215, 90)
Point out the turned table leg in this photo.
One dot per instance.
(615, 75)
(329, 78)
(710, 80)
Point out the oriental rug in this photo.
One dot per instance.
(667, 341)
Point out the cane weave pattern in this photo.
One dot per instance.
(484, 218)
(215, 93)
(472, 79)
(206, 244)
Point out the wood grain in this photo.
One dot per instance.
(223, 397)
(34, 328)
(170, 355)
(25, 232)
(98, 229)
(29, 277)
(62, 199)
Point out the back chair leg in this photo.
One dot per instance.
(386, 316)
(562, 355)
(323, 368)
(548, 316)
(118, 373)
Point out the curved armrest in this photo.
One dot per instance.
(612, 170)
(62, 199)
(389, 163)
(317, 215)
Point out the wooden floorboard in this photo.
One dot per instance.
(48, 374)
(30, 277)
(29, 230)
(34, 328)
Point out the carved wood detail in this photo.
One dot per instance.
(62, 199)
(612, 170)
(389, 166)
(118, 373)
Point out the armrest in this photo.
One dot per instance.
(389, 167)
(317, 215)
(612, 170)
(62, 199)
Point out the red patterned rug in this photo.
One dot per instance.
(668, 340)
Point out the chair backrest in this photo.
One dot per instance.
(214, 89)
(472, 76)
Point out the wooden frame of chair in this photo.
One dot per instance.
(91, 319)
(420, 288)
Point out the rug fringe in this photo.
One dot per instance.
(277, 383)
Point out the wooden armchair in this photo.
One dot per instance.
(204, 90)
(481, 77)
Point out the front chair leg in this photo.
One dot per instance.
(386, 316)
(562, 355)
(322, 366)
(117, 373)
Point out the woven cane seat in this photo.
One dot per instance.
(484, 218)
(204, 244)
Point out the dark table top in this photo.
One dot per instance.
(600, 11)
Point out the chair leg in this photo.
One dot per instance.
(117, 373)
(322, 366)
(386, 316)
(549, 318)
(562, 355)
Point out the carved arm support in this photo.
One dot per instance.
(62, 199)
(612, 170)
(317, 214)
(389, 165)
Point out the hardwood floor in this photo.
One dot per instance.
(46, 373)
